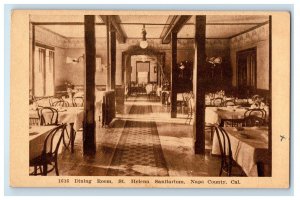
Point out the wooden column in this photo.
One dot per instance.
(113, 58)
(108, 78)
(174, 75)
(199, 84)
(89, 140)
(123, 69)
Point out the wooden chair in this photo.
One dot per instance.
(78, 101)
(257, 112)
(61, 103)
(51, 118)
(218, 101)
(48, 156)
(54, 99)
(228, 103)
(35, 121)
(227, 162)
(256, 115)
(253, 120)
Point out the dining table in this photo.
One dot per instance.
(73, 116)
(37, 136)
(249, 146)
(220, 115)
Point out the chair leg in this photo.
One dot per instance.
(190, 119)
(221, 169)
(45, 169)
(35, 170)
(64, 140)
(56, 168)
(211, 133)
(41, 169)
(222, 166)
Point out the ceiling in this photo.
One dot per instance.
(218, 26)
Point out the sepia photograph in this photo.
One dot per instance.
(151, 99)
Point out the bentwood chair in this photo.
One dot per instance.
(257, 112)
(49, 116)
(54, 99)
(78, 101)
(228, 165)
(253, 120)
(47, 160)
(228, 103)
(218, 101)
(36, 120)
(61, 103)
(253, 116)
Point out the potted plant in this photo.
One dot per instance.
(69, 88)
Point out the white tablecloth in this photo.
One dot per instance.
(37, 136)
(214, 115)
(247, 149)
(66, 115)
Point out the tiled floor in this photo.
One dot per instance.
(143, 140)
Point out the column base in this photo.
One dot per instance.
(199, 148)
(173, 114)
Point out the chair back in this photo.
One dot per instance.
(78, 101)
(35, 120)
(225, 151)
(256, 112)
(61, 103)
(218, 101)
(228, 103)
(53, 140)
(253, 120)
(50, 151)
(54, 99)
(49, 116)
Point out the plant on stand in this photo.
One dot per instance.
(69, 88)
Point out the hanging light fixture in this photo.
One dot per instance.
(144, 43)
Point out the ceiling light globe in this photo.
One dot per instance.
(143, 44)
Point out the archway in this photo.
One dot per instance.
(137, 50)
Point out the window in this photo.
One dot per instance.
(44, 70)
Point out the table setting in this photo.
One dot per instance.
(249, 147)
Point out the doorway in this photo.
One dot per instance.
(246, 71)
(142, 72)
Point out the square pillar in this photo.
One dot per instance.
(89, 140)
(200, 84)
(174, 75)
(113, 58)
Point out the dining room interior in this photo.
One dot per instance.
(150, 95)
